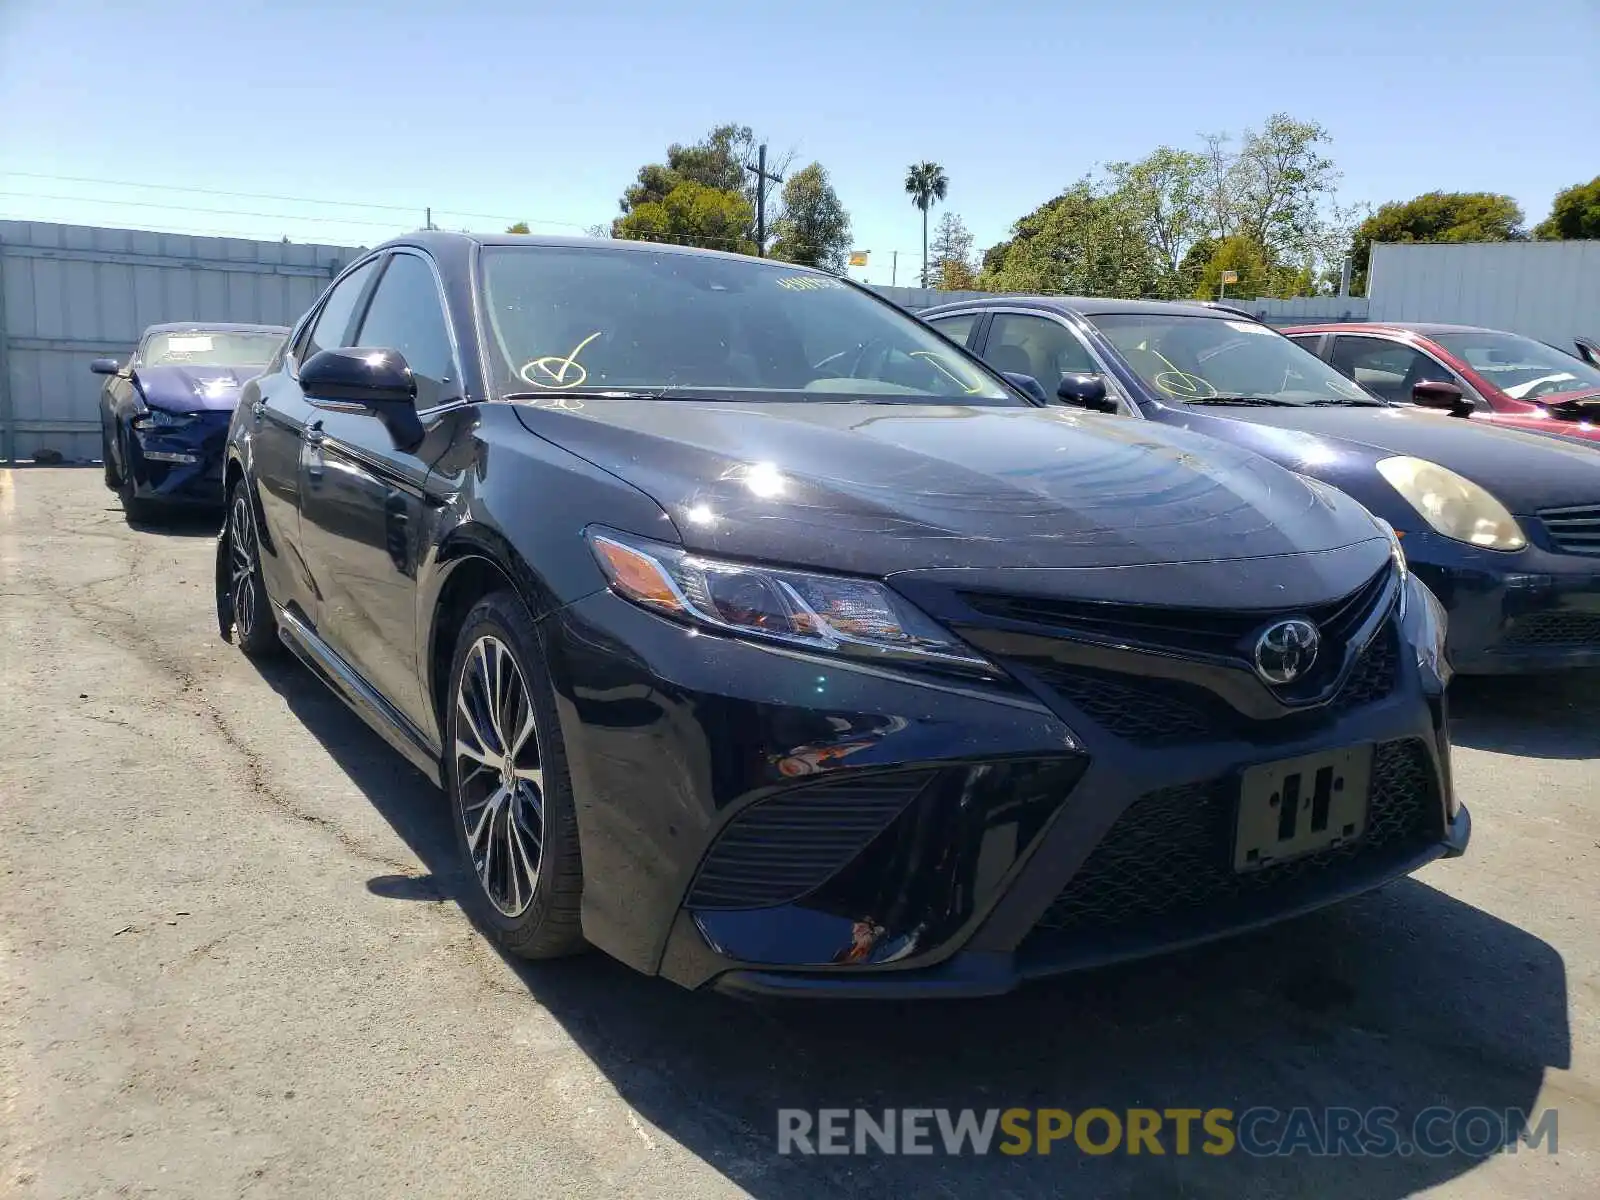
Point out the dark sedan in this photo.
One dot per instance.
(164, 414)
(765, 640)
(1503, 526)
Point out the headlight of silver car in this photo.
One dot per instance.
(834, 613)
(1452, 504)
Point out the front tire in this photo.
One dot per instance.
(254, 627)
(506, 772)
(136, 510)
(113, 479)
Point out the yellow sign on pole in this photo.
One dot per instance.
(858, 258)
(1230, 277)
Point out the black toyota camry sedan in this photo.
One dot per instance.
(1503, 526)
(767, 640)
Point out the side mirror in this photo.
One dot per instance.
(1589, 351)
(1445, 396)
(1086, 391)
(105, 366)
(374, 381)
(1026, 383)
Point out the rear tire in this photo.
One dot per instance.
(255, 629)
(511, 795)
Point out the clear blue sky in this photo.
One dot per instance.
(505, 109)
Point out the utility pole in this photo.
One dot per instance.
(427, 218)
(762, 179)
(894, 266)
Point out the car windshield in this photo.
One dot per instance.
(1521, 367)
(209, 348)
(672, 324)
(1192, 358)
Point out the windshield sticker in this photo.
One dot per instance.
(180, 345)
(557, 371)
(809, 283)
(1248, 327)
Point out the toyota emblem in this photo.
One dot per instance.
(1285, 651)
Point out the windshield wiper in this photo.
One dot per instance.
(582, 393)
(1262, 401)
(1346, 402)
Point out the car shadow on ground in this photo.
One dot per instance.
(1537, 716)
(1405, 998)
(181, 522)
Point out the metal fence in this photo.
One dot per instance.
(1544, 290)
(72, 293)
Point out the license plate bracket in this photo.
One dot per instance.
(1297, 806)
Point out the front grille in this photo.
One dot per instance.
(1574, 530)
(1555, 628)
(1158, 712)
(1172, 850)
(1187, 631)
(782, 847)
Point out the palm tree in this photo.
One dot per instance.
(926, 183)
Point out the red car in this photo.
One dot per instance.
(1481, 373)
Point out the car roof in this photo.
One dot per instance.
(1087, 306)
(444, 243)
(1426, 328)
(212, 327)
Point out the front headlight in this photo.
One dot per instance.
(833, 613)
(160, 418)
(1452, 504)
(1397, 555)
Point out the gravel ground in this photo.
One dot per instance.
(230, 963)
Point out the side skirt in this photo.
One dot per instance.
(386, 721)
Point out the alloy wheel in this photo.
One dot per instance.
(242, 565)
(499, 780)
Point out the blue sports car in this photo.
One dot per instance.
(1503, 526)
(164, 414)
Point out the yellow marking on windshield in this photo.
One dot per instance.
(937, 360)
(542, 372)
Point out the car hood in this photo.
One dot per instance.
(1526, 471)
(883, 488)
(192, 388)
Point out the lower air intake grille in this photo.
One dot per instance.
(782, 847)
(1172, 850)
(1554, 629)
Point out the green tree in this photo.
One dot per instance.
(1086, 241)
(716, 161)
(692, 214)
(1166, 194)
(812, 228)
(1281, 179)
(1435, 217)
(1575, 213)
(952, 254)
(1258, 273)
(519, 227)
(926, 183)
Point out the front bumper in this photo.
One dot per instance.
(179, 466)
(1512, 613)
(766, 822)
